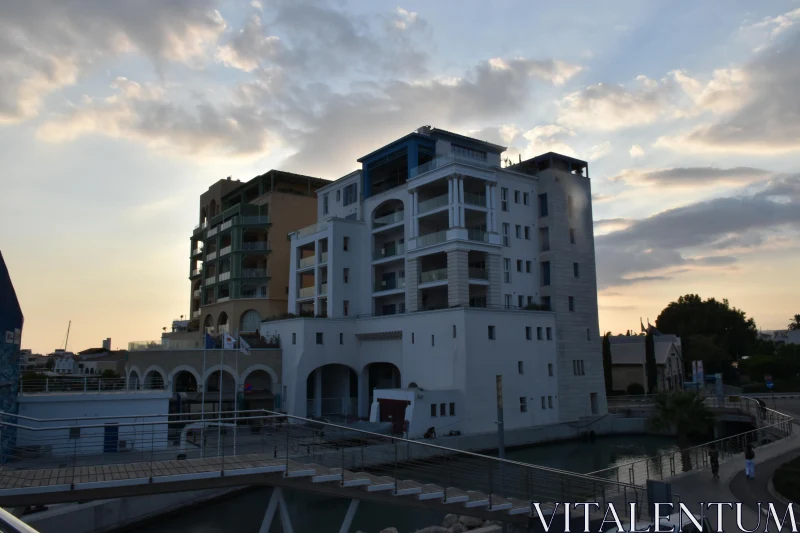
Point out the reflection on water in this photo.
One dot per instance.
(321, 514)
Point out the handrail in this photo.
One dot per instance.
(11, 524)
(115, 417)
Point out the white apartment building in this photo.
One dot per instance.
(432, 235)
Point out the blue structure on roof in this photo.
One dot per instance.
(398, 157)
(11, 330)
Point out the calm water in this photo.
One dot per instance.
(314, 513)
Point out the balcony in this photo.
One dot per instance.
(212, 232)
(432, 203)
(211, 256)
(445, 160)
(197, 251)
(390, 285)
(323, 289)
(225, 251)
(223, 299)
(310, 230)
(253, 295)
(247, 221)
(225, 276)
(210, 280)
(200, 226)
(392, 250)
(305, 292)
(478, 273)
(196, 314)
(254, 272)
(475, 199)
(431, 238)
(440, 274)
(197, 272)
(257, 246)
(477, 235)
(226, 225)
(306, 262)
(391, 218)
(323, 257)
(197, 293)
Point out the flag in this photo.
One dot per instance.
(248, 387)
(209, 342)
(228, 342)
(641, 324)
(243, 346)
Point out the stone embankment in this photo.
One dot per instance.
(458, 524)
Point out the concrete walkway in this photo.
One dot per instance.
(699, 486)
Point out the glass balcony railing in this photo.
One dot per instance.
(196, 314)
(432, 238)
(197, 251)
(252, 295)
(389, 251)
(252, 220)
(478, 273)
(306, 262)
(254, 272)
(323, 257)
(255, 246)
(225, 250)
(210, 256)
(391, 218)
(197, 293)
(475, 199)
(200, 226)
(311, 230)
(477, 235)
(226, 225)
(443, 161)
(439, 274)
(432, 203)
(225, 276)
(390, 285)
(210, 280)
(323, 288)
(223, 299)
(305, 292)
(212, 232)
(197, 271)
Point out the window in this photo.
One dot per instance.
(461, 151)
(338, 195)
(508, 301)
(452, 409)
(525, 198)
(346, 275)
(506, 227)
(530, 300)
(433, 410)
(528, 333)
(504, 199)
(454, 331)
(520, 301)
(516, 197)
(577, 367)
(319, 337)
(569, 206)
(543, 205)
(550, 369)
(350, 194)
(546, 303)
(443, 409)
(519, 265)
(588, 334)
(412, 337)
(593, 402)
(550, 402)
(576, 271)
(518, 231)
(528, 267)
(324, 204)
(491, 332)
(346, 243)
(523, 404)
(571, 235)
(544, 273)
(549, 332)
(571, 300)
(544, 239)
(346, 307)
(507, 270)
(543, 404)
(341, 338)
(433, 341)
(539, 333)
(294, 338)
(528, 232)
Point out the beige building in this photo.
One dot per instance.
(239, 254)
(628, 362)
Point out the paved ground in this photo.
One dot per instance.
(752, 491)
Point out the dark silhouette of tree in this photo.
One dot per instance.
(607, 367)
(650, 363)
(685, 413)
(794, 325)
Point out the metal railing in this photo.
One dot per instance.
(310, 230)
(390, 285)
(440, 274)
(254, 272)
(391, 218)
(392, 250)
(11, 524)
(431, 238)
(432, 203)
(257, 246)
(305, 292)
(74, 384)
(471, 198)
(306, 262)
(288, 446)
(479, 235)
(252, 220)
(771, 425)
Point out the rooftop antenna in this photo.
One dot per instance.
(66, 340)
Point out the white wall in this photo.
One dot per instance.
(337, 208)
(78, 406)
(418, 413)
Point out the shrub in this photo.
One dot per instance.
(786, 480)
(635, 389)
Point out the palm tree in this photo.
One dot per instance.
(685, 413)
(795, 324)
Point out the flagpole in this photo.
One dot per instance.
(203, 398)
(236, 396)
(219, 408)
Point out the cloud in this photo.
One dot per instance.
(768, 119)
(636, 151)
(691, 177)
(778, 24)
(249, 47)
(608, 225)
(597, 197)
(49, 44)
(549, 138)
(599, 150)
(700, 235)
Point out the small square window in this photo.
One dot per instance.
(523, 404)
(491, 332)
(341, 338)
(75, 432)
(525, 198)
(528, 267)
(539, 333)
(454, 331)
(549, 332)
(346, 243)
(528, 333)
(516, 197)
(319, 337)
(572, 235)
(433, 341)
(544, 405)
(294, 338)
(433, 410)
(412, 337)
(442, 409)
(338, 195)
(550, 369)
(576, 270)
(452, 409)
(550, 402)
(518, 231)
(519, 265)
(528, 232)
(520, 369)
(571, 301)
(346, 275)
(504, 199)
(588, 334)
(520, 301)
(345, 307)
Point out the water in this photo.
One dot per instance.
(315, 513)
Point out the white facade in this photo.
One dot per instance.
(64, 364)
(456, 230)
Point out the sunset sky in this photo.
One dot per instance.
(116, 115)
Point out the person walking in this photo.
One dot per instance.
(750, 463)
(713, 458)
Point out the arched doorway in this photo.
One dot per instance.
(213, 392)
(251, 321)
(184, 381)
(153, 380)
(134, 383)
(332, 393)
(208, 324)
(222, 323)
(257, 391)
(380, 376)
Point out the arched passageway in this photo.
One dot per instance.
(257, 391)
(332, 392)
(153, 380)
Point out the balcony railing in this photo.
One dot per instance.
(225, 250)
(306, 262)
(432, 203)
(323, 257)
(254, 272)
(251, 295)
(390, 285)
(391, 218)
(210, 280)
(196, 314)
(477, 235)
(471, 198)
(311, 230)
(225, 276)
(226, 225)
(478, 273)
(223, 299)
(389, 251)
(211, 256)
(323, 288)
(256, 246)
(432, 238)
(305, 292)
(252, 220)
(197, 271)
(197, 251)
(445, 160)
(440, 274)
(212, 232)
(197, 293)
(200, 226)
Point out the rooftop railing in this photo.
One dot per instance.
(445, 160)
(92, 383)
(310, 230)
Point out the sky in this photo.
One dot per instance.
(116, 115)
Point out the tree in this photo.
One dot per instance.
(109, 374)
(650, 363)
(711, 331)
(607, 368)
(50, 363)
(685, 413)
(794, 325)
